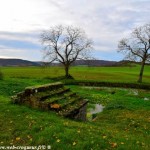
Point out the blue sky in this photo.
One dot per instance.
(106, 22)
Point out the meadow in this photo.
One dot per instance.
(124, 124)
(113, 74)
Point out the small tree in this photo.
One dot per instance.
(137, 46)
(65, 45)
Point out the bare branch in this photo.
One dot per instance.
(137, 46)
(65, 44)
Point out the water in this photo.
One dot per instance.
(146, 99)
(92, 112)
(134, 92)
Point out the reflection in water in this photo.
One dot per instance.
(92, 112)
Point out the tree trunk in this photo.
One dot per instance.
(141, 72)
(66, 71)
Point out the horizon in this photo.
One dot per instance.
(54, 62)
(104, 22)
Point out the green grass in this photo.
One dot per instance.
(112, 74)
(124, 124)
(125, 116)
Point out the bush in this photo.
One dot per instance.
(1, 76)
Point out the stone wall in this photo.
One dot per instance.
(53, 97)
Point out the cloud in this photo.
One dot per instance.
(27, 54)
(20, 45)
(106, 22)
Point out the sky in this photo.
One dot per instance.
(105, 22)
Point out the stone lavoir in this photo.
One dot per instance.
(53, 97)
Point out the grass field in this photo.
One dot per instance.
(116, 74)
(124, 124)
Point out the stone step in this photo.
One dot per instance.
(62, 101)
(71, 110)
(43, 88)
(69, 101)
(69, 94)
(41, 96)
(53, 97)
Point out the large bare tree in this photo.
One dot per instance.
(65, 44)
(137, 46)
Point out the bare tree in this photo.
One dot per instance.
(65, 44)
(137, 46)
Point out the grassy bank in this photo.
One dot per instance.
(124, 124)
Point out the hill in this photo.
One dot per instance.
(91, 63)
(16, 62)
(94, 63)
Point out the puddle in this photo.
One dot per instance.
(135, 92)
(92, 112)
(146, 99)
